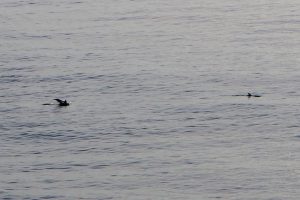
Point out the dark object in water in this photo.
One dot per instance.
(249, 95)
(252, 95)
(62, 103)
(47, 104)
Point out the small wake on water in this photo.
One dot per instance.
(48, 104)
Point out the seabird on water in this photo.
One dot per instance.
(252, 95)
(62, 103)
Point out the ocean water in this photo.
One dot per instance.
(156, 111)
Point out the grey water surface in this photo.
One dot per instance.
(156, 111)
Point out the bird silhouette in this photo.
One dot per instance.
(62, 103)
(252, 95)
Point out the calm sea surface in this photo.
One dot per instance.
(154, 87)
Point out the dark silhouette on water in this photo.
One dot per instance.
(252, 95)
(249, 95)
(47, 104)
(62, 103)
